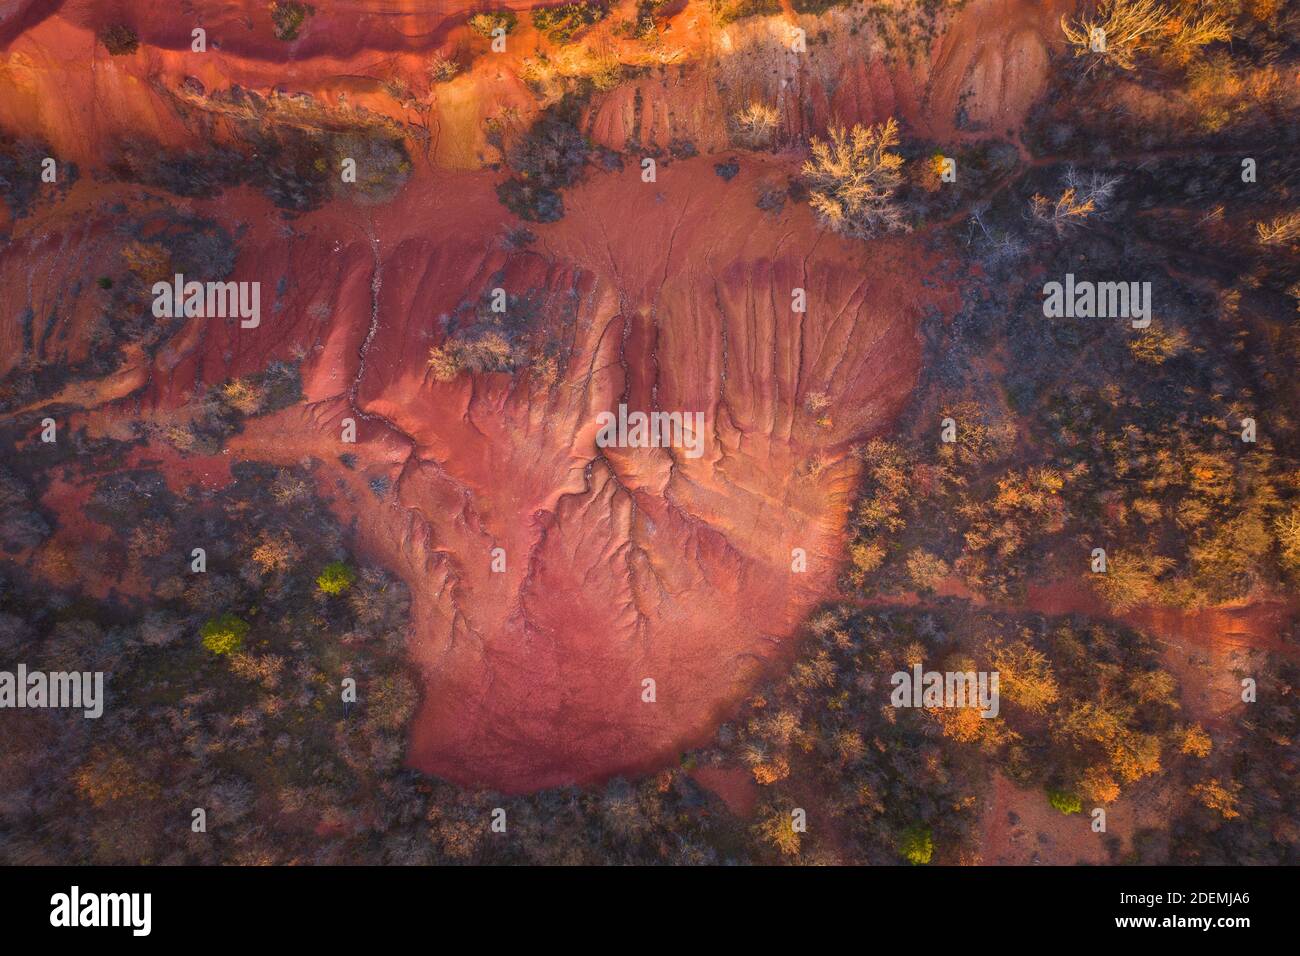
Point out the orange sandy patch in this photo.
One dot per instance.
(1022, 828)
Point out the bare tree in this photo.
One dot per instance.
(853, 178)
(1120, 31)
(1283, 230)
(1080, 198)
(754, 126)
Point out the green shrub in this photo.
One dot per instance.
(1065, 801)
(224, 635)
(289, 17)
(729, 11)
(917, 845)
(559, 24)
(120, 40)
(336, 578)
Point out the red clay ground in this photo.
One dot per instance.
(621, 565)
(1022, 828)
(61, 85)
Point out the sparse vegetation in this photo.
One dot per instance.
(485, 23)
(297, 167)
(1282, 230)
(754, 127)
(548, 158)
(120, 39)
(560, 23)
(729, 11)
(224, 635)
(289, 17)
(335, 578)
(21, 163)
(1120, 32)
(442, 69)
(1078, 200)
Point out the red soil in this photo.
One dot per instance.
(62, 85)
(622, 564)
(1021, 827)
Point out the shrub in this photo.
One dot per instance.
(917, 845)
(925, 570)
(1219, 797)
(120, 40)
(559, 24)
(443, 69)
(484, 23)
(1065, 801)
(20, 526)
(1130, 579)
(20, 173)
(852, 180)
(642, 26)
(243, 396)
(335, 578)
(489, 352)
(1196, 742)
(150, 261)
(383, 163)
(550, 157)
(1027, 679)
(275, 553)
(754, 126)
(778, 830)
(817, 7)
(1286, 527)
(1080, 198)
(729, 11)
(867, 557)
(1282, 230)
(1122, 30)
(1157, 346)
(224, 635)
(444, 362)
(289, 17)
